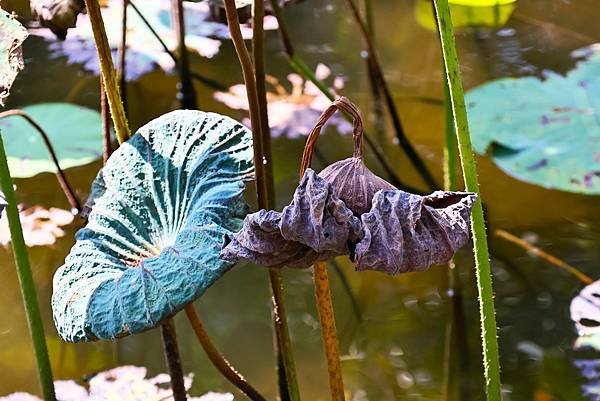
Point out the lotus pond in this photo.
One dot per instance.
(538, 182)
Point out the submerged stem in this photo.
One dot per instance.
(491, 360)
(263, 185)
(169, 338)
(60, 174)
(26, 283)
(217, 359)
(108, 71)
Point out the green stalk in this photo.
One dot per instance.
(491, 360)
(32, 309)
(108, 71)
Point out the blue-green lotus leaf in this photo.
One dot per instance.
(75, 133)
(545, 132)
(161, 207)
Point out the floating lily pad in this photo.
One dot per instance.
(75, 132)
(12, 35)
(468, 13)
(545, 132)
(161, 207)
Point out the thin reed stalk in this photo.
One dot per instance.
(491, 360)
(107, 69)
(217, 359)
(261, 163)
(123, 55)
(186, 92)
(169, 338)
(26, 283)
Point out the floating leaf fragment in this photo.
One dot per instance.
(545, 132)
(468, 13)
(585, 312)
(75, 133)
(57, 15)
(396, 232)
(291, 113)
(41, 227)
(124, 382)
(12, 35)
(161, 207)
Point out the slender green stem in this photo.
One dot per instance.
(32, 308)
(108, 71)
(451, 147)
(262, 188)
(169, 338)
(491, 360)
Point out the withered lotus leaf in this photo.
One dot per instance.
(315, 226)
(347, 209)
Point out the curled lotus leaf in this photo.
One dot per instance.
(406, 232)
(12, 35)
(161, 207)
(315, 226)
(401, 232)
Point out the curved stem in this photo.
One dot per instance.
(26, 283)
(328, 331)
(171, 349)
(60, 175)
(262, 189)
(584, 278)
(217, 359)
(375, 67)
(186, 94)
(108, 71)
(491, 359)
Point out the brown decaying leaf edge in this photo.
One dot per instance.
(395, 232)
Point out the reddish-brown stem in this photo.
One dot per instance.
(60, 175)
(105, 116)
(216, 358)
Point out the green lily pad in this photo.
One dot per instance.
(161, 207)
(12, 35)
(74, 131)
(545, 132)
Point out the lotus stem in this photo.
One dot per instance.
(169, 338)
(186, 94)
(207, 81)
(105, 116)
(328, 331)
(584, 278)
(108, 71)
(26, 283)
(60, 174)
(375, 67)
(258, 32)
(262, 189)
(217, 359)
(123, 56)
(491, 359)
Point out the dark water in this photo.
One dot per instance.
(397, 350)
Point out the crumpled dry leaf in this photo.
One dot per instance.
(315, 226)
(121, 383)
(291, 113)
(402, 232)
(41, 226)
(57, 15)
(12, 35)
